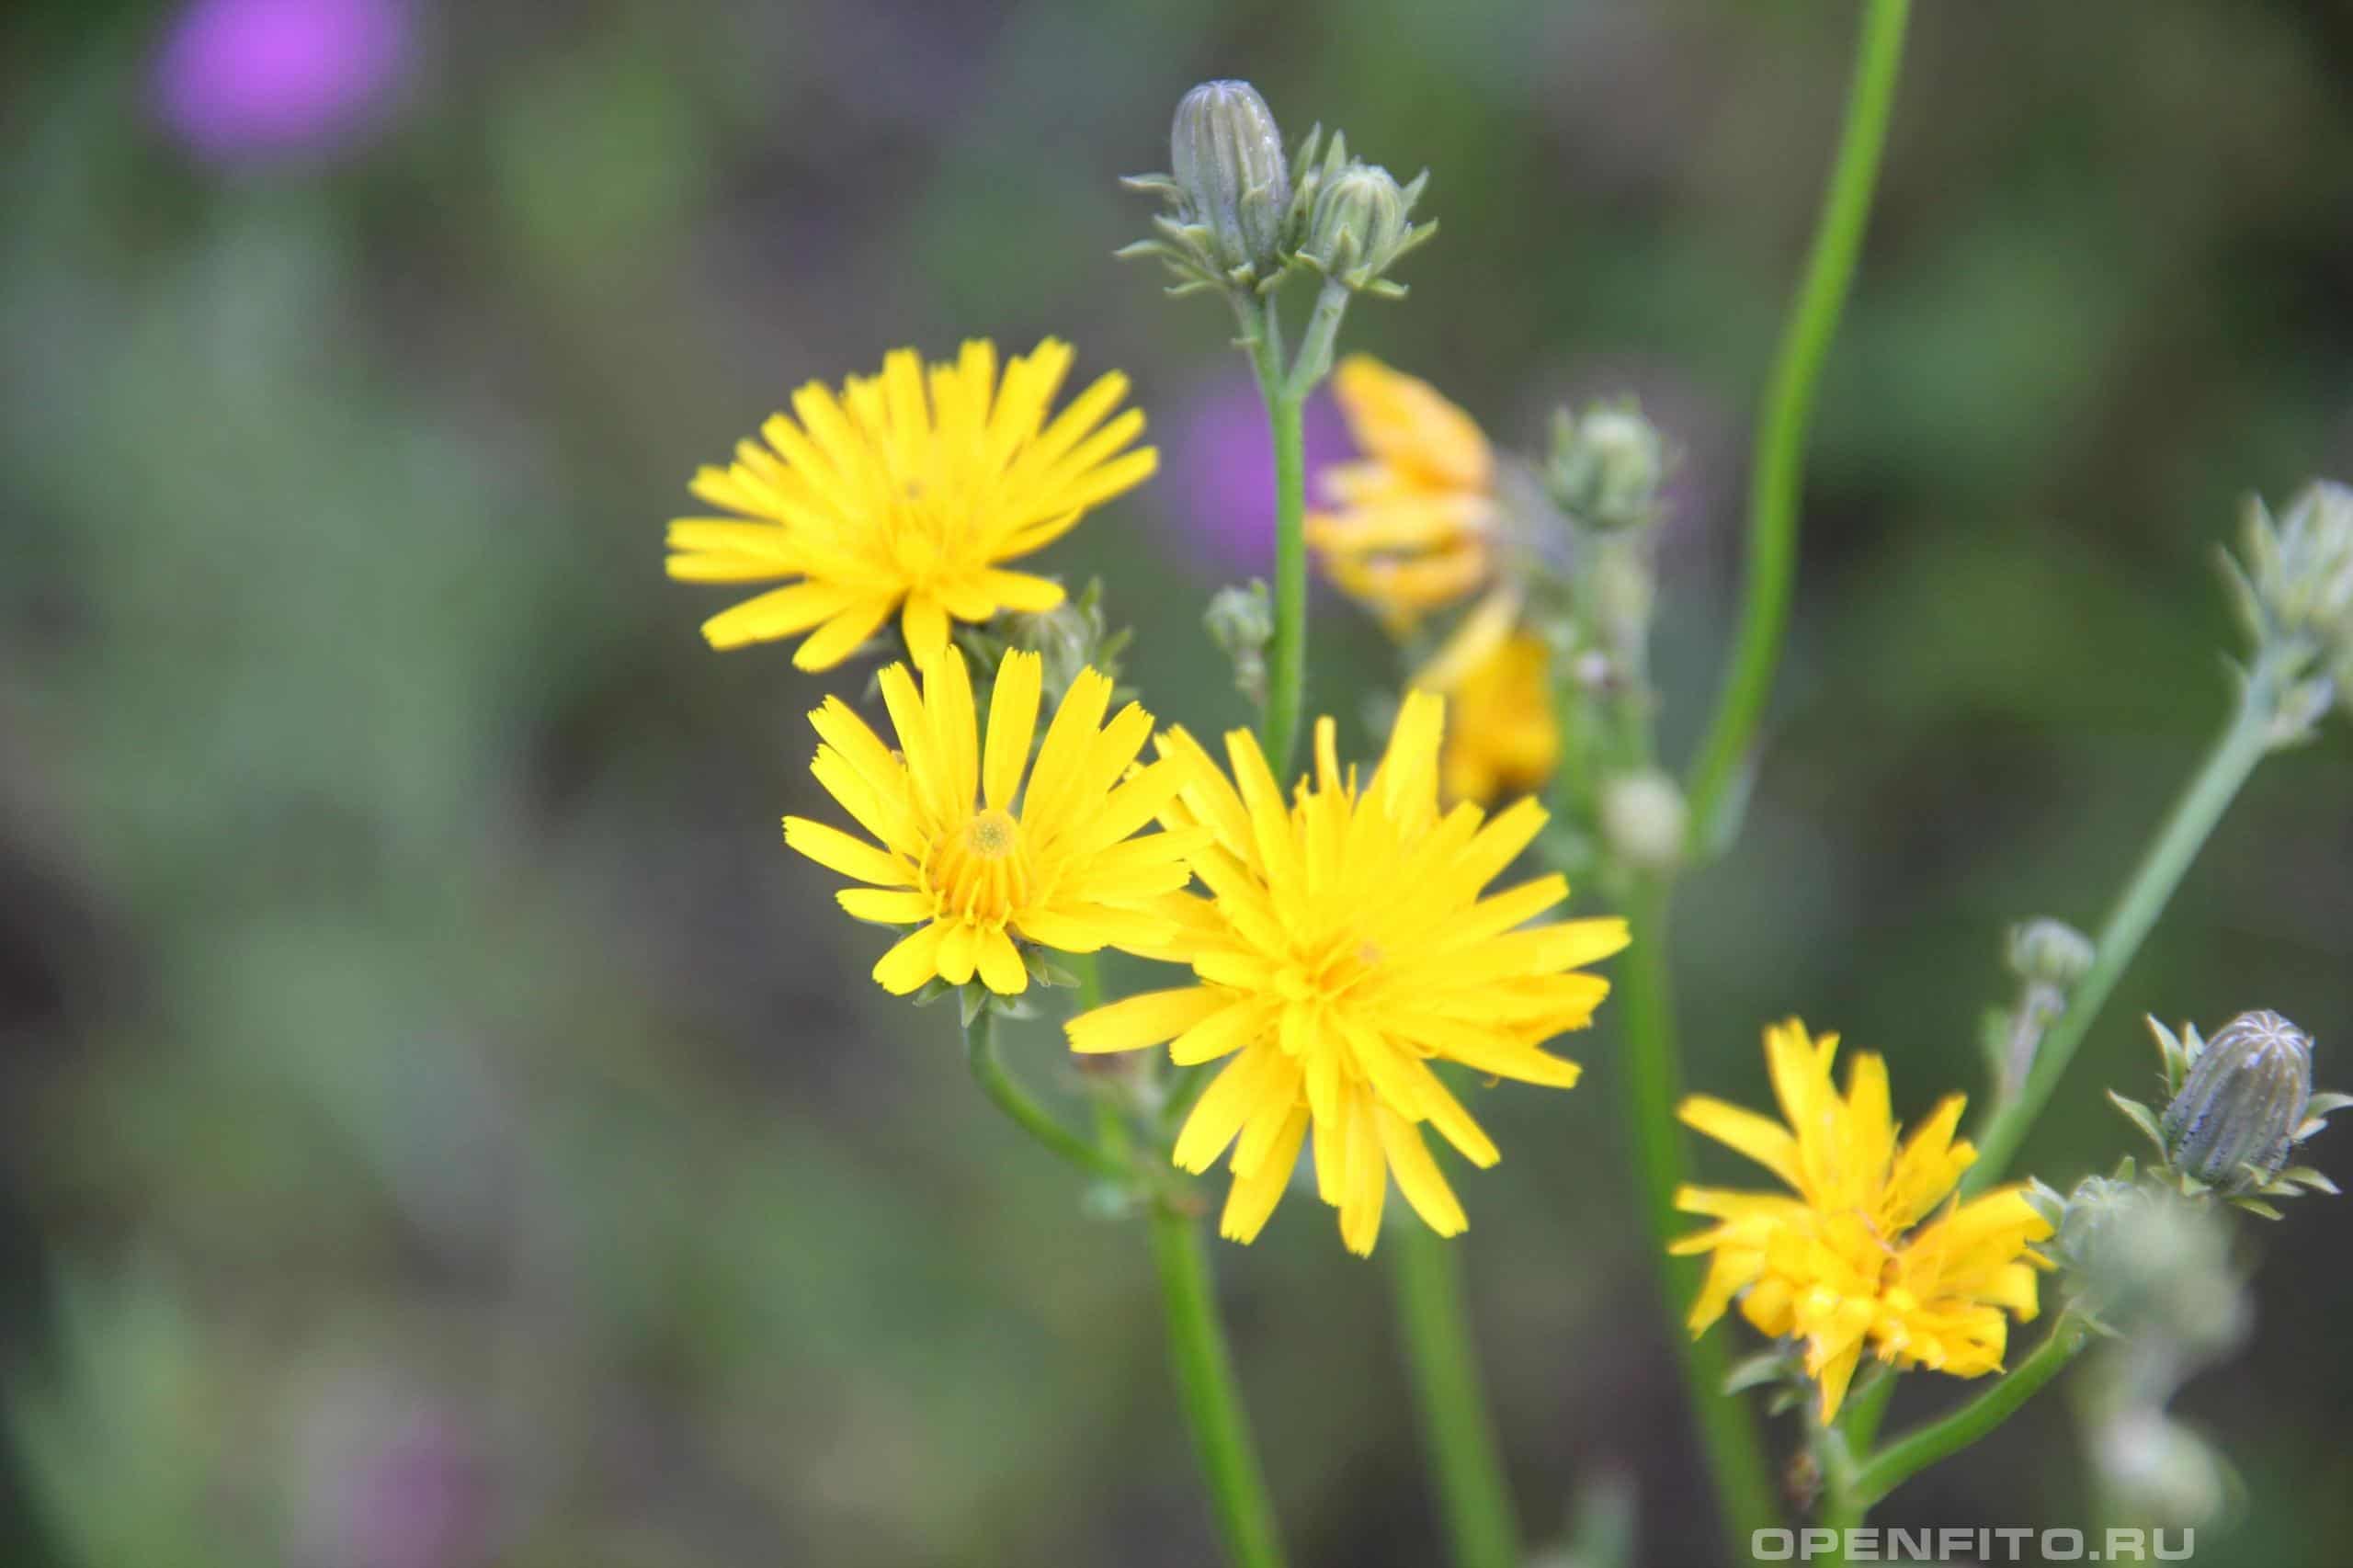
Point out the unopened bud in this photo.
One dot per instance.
(1242, 623)
(2295, 574)
(1361, 223)
(2237, 1113)
(1230, 190)
(1644, 819)
(1227, 157)
(1606, 469)
(2049, 952)
(2145, 1260)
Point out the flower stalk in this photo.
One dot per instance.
(1728, 1435)
(989, 1071)
(1906, 1456)
(1777, 473)
(1474, 1497)
(1285, 387)
(1210, 1393)
(2251, 734)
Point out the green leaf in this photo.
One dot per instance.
(2308, 1178)
(2140, 1115)
(1765, 1367)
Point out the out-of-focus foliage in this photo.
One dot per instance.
(444, 1125)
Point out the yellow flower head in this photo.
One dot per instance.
(1503, 736)
(1411, 524)
(1343, 946)
(972, 860)
(907, 493)
(1848, 1264)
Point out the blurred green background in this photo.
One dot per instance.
(443, 1126)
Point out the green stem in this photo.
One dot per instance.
(1654, 1084)
(1472, 1493)
(1315, 361)
(1286, 656)
(2243, 744)
(1916, 1451)
(1866, 1407)
(1777, 473)
(989, 1072)
(1206, 1390)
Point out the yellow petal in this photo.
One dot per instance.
(1418, 1178)
(837, 851)
(1251, 1197)
(913, 961)
(1147, 1019)
(1767, 1142)
(1000, 963)
(1013, 721)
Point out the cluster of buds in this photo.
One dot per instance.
(2152, 1269)
(2237, 1105)
(1243, 217)
(2293, 590)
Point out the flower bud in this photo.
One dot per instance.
(2146, 1261)
(1226, 156)
(1606, 469)
(2295, 574)
(1644, 819)
(2049, 952)
(1230, 192)
(2236, 1116)
(1361, 223)
(2154, 1469)
(1242, 623)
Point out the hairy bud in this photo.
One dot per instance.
(2049, 952)
(1226, 155)
(2236, 1116)
(1230, 190)
(1360, 224)
(1605, 468)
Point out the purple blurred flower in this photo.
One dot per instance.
(420, 1501)
(238, 80)
(1220, 475)
(392, 1475)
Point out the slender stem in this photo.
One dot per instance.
(1315, 361)
(2243, 744)
(1211, 1399)
(1835, 1451)
(989, 1072)
(1914, 1451)
(1654, 1084)
(1287, 657)
(1778, 472)
(1866, 1407)
(1472, 1493)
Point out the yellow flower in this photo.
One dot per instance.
(1847, 1265)
(888, 499)
(965, 863)
(1503, 736)
(1412, 523)
(1343, 946)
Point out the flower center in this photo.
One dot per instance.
(1325, 971)
(993, 834)
(978, 871)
